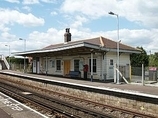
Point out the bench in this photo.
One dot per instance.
(75, 74)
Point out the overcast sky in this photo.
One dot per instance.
(43, 22)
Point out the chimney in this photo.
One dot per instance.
(67, 35)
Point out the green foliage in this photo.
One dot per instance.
(17, 60)
(138, 59)
(153, 60)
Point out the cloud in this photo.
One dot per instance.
(30, 2)
(78, 21)
(53, 13)
(137, 37)
(13, 1)
(138, 11)
(5, 36)
(146, 38)
(3, 28)
(89, 8)
(42, 39)
(49, 1)
(141, 37)
(76, 14)
(30, 20)
(13, 16)
(27, 8)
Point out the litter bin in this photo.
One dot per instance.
(153, 73)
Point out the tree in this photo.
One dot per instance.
(153, 59)
(138, 59)
(17, 60)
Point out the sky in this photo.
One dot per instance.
(43, 22)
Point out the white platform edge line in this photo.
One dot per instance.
(25, 106)
(100, 88)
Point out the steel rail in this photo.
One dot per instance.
(59, 110)
(134, 113)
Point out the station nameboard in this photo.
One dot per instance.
(153, 68)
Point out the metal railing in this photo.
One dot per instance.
(2, 57)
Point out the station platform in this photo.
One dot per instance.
(148, 90)
(10, 108)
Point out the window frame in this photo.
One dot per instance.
(58, 65)
(76, 67)
(94, 65)
(111, 62)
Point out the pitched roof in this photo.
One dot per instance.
(99, 41)
(99, 44)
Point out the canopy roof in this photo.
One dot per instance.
(98, 45)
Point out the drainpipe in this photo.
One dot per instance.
(143, 75)
(46, 65)
(103, 67)
(91, 66)
(115, 73)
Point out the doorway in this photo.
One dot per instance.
(66, 67)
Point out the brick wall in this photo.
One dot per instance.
(124, 103)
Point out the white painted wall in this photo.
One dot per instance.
(124, 60)
(103, 66)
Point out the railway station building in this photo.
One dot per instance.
(86, 58)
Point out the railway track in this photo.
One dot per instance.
(70, 106)
(52, 105)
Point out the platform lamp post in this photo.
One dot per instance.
(118, 77)
(9, 54)
(24, 50)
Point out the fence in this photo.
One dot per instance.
(148, 75)
(20, 67)
(131, 74)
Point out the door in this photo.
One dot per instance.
(38, 67)
(34, 66)
(66, 67)
(111, 69)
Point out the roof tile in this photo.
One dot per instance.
(107, 43)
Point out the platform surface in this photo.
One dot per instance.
(10, 108)
(150, 90)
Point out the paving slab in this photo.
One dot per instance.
(10, 108)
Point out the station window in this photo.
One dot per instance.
(76, 65)
(58, 64)
(111, 62)
(34, 63)
(94, 65)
